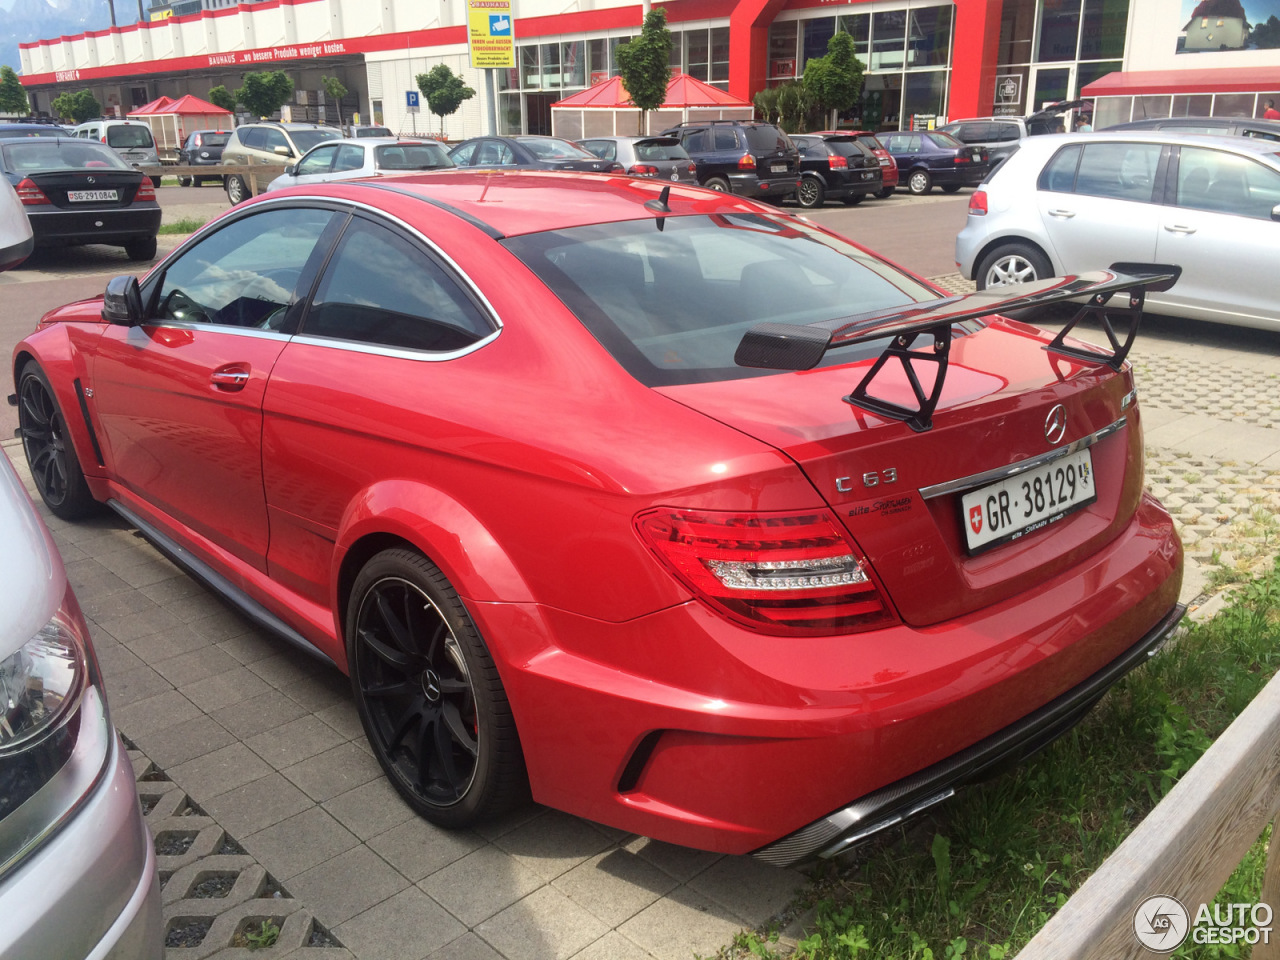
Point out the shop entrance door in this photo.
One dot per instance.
(537, 113)
(1051, 85)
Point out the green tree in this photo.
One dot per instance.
(333, 87)
(13, 99)
(644, 64)
(796, 107)
(220, 96)
(444, 91)
(834, 82)
(77, 107)
(265, 92)
(766, 101)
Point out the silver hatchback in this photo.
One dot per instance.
(1076, 202)
(662, 158)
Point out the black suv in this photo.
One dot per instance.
(835, 166)
(741, 156)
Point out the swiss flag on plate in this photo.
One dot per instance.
(975, 518)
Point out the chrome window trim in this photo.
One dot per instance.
(1022, 466)
(219, 328)
(402, 353)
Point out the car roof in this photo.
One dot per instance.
(502, 203)
(1152, 122)
(1250, 145)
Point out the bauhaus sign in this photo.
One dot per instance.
(489, 34)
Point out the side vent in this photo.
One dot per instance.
(88, 423)
(639, 760)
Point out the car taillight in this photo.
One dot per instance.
(30, 194)
(978, 203)
(643, 170)
(781, 573)
(103, 138)
(146, 191)
(746, 162)
(693, 168)
(962, 158)
(837, 162)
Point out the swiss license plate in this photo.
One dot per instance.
(1012, 508)
(85, 196)
(977, 156)
(778, 168)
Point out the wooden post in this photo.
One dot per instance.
(1271, 897)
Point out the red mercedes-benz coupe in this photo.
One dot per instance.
(647, 500)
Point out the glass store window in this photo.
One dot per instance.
(929, 37)
(817, 33)
(1102, 29)
(888, 39)
(1059, 30)
(858, 26)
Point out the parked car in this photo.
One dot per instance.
(8, 130)
(79, 191)
(1213, 126)
(371, 131)
(16, 241)
(835, 166)
(131, 139)
(77, 863)
(746, 157)
(929, 157)
(530, 152)
(662, 574)
(268, 143)
(350, 159)
(660, 157)
(888, 166)
(1066, 204)
(1001, 136)
(203, 148)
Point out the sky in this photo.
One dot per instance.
(26, 20)
(1256, 11)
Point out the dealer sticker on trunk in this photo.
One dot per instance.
(1021, 504)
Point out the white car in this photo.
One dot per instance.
(363, 157)
(16, 241)
(1078, 202)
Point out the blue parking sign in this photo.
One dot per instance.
(411, 99)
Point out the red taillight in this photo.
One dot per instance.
(104, 138)
(146, 191)
(837, 162)
(783, 573)
(30, 194)
(693, 168)
(747, 162)
(643, 170)
(963, 158)
(978, 203)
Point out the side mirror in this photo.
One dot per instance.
(1275, 212)
(122, 303)
(283, 151)
(291, 169)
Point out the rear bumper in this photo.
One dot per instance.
(750, 185)
(717, 748)
(964, 174)
(116, 225)
(851, 184)
(13, 255)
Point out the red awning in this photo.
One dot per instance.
(160, 105)
(1224, 80)
(682, 91)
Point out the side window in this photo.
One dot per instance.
(379, 288)
(726, 138)
(504, 154)
(974, 132)
(319, 160)
(462, 156)
(802, 145)
(272, 138)
(1260, 134)
(1226, 183)
(1006, 132)
(243, 275)
(1122, 171)
(1060, 175)
(491, 152)
(695, 141)
(254, 138)
(350, 157)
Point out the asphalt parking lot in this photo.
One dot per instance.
(253, 767)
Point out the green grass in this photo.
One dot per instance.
(185, 225)
(979, 878)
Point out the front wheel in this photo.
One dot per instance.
(429, 695)
(1012, 263)
(718, 184)
(811, 193)
(186, 181)
(919, 182)
(236, 189)
(50, 452)
(951, 188)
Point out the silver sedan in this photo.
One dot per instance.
(364, 157)
(1071, 203)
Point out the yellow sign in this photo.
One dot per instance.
(160, 15)
(489, 34)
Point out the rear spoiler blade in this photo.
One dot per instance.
(780, 346)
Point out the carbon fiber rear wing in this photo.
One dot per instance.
(781, 346)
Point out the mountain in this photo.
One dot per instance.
(27, 20)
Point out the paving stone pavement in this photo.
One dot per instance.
(256, 775)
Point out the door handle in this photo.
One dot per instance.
(1178, 228)
(1062, 214)
(229, 378)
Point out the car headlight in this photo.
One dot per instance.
(39, 684)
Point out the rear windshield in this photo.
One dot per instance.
(133, 135)
(411, 156)
(766, 138)
(212, 139)
(39, 155)
(871, 141)
(945, 140)
(549, 148)
(672, 304)
(849, 147)
(6, 131)
(374, 132)
(304, 140)
(668, 148)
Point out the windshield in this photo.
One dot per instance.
(38, 155)
(672, 304)
(412, 156)
(134, 135)
(549, 148)
(304, 140)
(665, 149)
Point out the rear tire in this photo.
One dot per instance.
(1012, 263)
(141, 249)
(237, 191)
(155, 181)
(718, 184)
(886, 193)
(50, 452)
(429, 695)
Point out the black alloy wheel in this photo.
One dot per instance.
(50, 454)
(429, 695)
